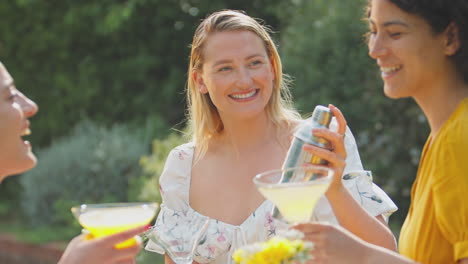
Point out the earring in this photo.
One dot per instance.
(202, 89)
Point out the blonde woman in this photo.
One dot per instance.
(16, 157)
(242, 120)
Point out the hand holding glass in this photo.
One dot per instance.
(110, 218)
(296, 199)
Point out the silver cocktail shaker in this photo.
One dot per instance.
(321, 118)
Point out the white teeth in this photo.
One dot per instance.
(26, 132)
(243, 96)
(390, 69)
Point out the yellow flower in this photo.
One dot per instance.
(277, 250)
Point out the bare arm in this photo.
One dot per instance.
(358, 221)
(463, 261)
(334, 244)
(375, 254)
(347, 210)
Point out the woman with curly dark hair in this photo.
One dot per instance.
(421, 50)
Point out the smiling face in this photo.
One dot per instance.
(15, 108)
(237, 73)
(411, 57)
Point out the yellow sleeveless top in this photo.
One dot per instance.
(436, 228)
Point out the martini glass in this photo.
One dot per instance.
(295, 199)
(180, 240)
(110, 218)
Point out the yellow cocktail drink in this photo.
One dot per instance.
(109, 219)
(294, 197)
(295, 201)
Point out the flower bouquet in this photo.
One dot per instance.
(281, 249)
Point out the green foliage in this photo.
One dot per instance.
(37, 235)
(126, 61)
(9, 197)
(111, 61)
(153, 166)
(93, 164)
(323, 48)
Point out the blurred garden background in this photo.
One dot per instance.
(109, 79)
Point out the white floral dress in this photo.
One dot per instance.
(222, 239)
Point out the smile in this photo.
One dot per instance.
(389, 70)
(26, 132)
(244, 96)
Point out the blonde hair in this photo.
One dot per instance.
(204, 119)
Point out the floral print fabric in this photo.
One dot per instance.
(222, 239)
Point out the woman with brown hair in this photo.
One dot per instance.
(16, 156)
(421, 48)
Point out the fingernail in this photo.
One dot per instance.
(147, 227)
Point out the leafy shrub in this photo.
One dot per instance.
(9, 197)
(134, 55)
(93, 164)
(153, 166)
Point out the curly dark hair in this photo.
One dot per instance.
(439, 14)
